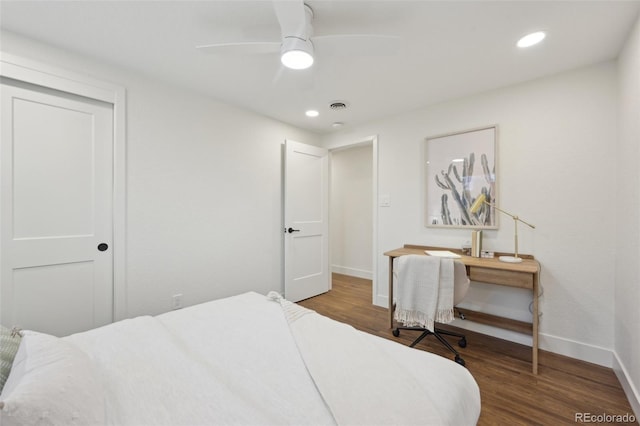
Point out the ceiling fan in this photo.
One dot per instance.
(298, 45)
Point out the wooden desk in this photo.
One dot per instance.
(492, 271)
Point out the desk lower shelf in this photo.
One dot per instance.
(495, 321)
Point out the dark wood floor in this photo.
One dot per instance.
(510, 394)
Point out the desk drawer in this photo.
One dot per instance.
(501, 277)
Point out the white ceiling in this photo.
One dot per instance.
(449, 49)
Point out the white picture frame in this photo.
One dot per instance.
(459, 167)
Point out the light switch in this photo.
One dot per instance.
(384, 200)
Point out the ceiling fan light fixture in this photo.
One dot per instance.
(296, 53)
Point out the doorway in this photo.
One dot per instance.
(353, 212)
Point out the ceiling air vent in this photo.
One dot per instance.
(338, 105)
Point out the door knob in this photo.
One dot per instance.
(103, 246)
(291, 230)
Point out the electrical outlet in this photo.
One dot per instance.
(176, 301)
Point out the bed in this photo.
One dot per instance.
(244, 360)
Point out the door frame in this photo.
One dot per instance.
(373, 141)
(41, 74)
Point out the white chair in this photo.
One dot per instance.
(460, 288)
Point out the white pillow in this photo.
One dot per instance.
(52, 382)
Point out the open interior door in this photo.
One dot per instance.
(306, 211)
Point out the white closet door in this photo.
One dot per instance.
(56, 225)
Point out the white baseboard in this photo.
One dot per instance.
(571, 348)
(382, 301)
(578, 350)
(632, 393)
(352, 272)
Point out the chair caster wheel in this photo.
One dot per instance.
(459, 360)
(462, 343)
(396, 332)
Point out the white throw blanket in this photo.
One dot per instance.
(425, 291)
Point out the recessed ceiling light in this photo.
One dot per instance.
(531, 39)
(312, 113)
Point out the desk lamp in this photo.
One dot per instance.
(482, 199)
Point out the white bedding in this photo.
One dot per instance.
(235, 361)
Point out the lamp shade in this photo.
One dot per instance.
(477, 203)
(296, 53)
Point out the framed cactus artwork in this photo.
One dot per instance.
(459, 167)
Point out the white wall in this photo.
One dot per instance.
(351, 199)
(627, 285)
(203, 189)
(556, 154)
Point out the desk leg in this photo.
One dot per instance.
(534, 355)
(390, 292)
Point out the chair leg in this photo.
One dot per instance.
(444, 342)
(438, 333)
(463, 339)
(419, 339)
(425, 333)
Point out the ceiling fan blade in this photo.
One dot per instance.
(241, 48)
(357, 44)
(292, 17)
